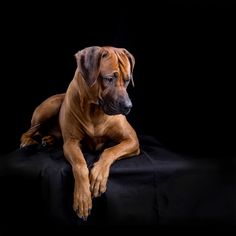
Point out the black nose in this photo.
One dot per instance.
(126, 107)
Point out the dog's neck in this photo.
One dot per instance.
(80, 95)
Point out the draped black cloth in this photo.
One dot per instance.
(156, 188)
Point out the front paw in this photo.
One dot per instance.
(82, 202)
(98, 178)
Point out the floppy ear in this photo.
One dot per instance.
(132, 63)
(88, 62)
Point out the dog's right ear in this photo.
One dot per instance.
(132, 63)
(88, 63)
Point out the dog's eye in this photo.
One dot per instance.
(108, 79)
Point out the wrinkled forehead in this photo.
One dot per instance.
(115, 61)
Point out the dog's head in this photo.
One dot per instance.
(109, 70)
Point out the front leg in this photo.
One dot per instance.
(100, 171)
(82, 195)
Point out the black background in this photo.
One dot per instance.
(184, 75)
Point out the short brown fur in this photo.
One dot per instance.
(93, 111)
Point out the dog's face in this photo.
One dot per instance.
(114, 78)
(109, 71)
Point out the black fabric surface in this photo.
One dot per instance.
(156, 188)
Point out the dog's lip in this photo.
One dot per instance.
(109, 110)
(126, 112)
(112, 113)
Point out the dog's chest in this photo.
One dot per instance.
(96, 131)
(95, 143)
(96, 136)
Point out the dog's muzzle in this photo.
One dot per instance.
(115, 108)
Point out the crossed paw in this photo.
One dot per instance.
(84, 191)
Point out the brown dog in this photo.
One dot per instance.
(91, 112)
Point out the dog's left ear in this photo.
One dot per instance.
(88, 62)
(132, 63)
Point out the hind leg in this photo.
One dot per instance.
(27, 137)
(43, 114)
(48, 140)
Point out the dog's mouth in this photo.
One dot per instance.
(112, 109)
